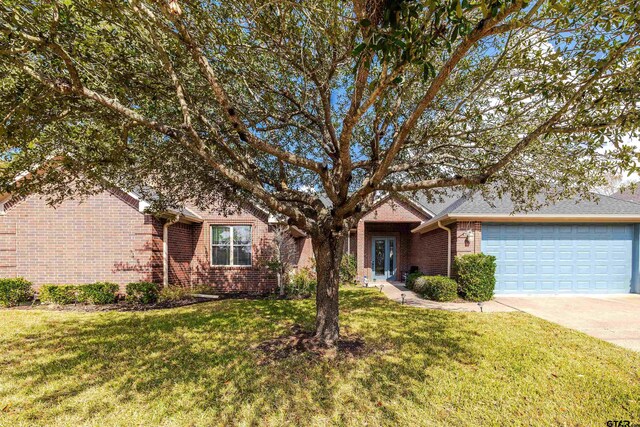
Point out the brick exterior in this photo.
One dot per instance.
(106, 238)
(429, 250)
(250, 279)
(181, 250)
(103, 238)
(462, 244)
(392, 210)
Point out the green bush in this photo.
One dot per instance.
(411, 279)
(348, 269)
(143, 292)
(436, 288)
(14, 291)
(302, 282)
(175, 293)
(97, 293)
(58, 294)
(476, 276)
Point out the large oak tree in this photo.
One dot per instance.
(287, 103)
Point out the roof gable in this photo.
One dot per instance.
(394, 209)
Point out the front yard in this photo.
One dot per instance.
(196, 366)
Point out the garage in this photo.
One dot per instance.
(560, 258)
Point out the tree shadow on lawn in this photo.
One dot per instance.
(201, 357)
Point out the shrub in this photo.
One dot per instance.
(14, 291)
(302, 282)
(143, 292)
(476, 276)
(97, 293)
(58, 294)
(175, 293)
(411, 279)
(348, 269)
(437, 288)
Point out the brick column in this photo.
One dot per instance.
(360, 249)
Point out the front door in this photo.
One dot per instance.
(383, 258)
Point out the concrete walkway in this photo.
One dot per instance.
(613, 318)
(395, 290)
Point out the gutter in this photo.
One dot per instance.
(448, 230)
(577, 218)
(165, 249)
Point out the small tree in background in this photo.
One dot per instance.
(283, 250)
(348, 269)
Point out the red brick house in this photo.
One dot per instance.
(572, 247)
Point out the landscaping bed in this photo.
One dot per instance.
(119, 306)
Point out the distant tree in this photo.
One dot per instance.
(283, 251)
(613, 182)
(288, 103)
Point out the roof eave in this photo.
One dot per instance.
(602, 218)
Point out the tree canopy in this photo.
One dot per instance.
(281, 102)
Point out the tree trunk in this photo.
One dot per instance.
(280, 283)
(328, 252)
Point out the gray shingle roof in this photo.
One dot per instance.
(603, 205)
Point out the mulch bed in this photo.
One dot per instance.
(121, 306)
(303, 343)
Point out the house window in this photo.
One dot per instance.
(230, 245)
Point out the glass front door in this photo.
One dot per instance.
(383, 258)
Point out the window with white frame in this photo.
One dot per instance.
(230, 245)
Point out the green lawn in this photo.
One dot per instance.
(194, 366)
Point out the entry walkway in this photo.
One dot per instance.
(395, 290)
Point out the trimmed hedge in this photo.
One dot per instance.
(97, 293)
(436, 288)
(476, 276)
(58, 294)
(411, 279)
(143, 292)
(14, 291)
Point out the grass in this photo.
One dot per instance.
(194, 366)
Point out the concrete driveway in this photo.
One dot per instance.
(614, 318)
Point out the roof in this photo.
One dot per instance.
(628, 195)
(472, 206)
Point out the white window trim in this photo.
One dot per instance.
(231, 246)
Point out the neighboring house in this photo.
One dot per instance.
(570, 247)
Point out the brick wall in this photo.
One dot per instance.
(103, 238)
(428, 251)
(251, 279)
(181, 249)
(465, 245)
(306, 257)
(392, 210)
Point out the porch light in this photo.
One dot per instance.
(468, 236)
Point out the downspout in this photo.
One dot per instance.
(448, 247)
(165, 250)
